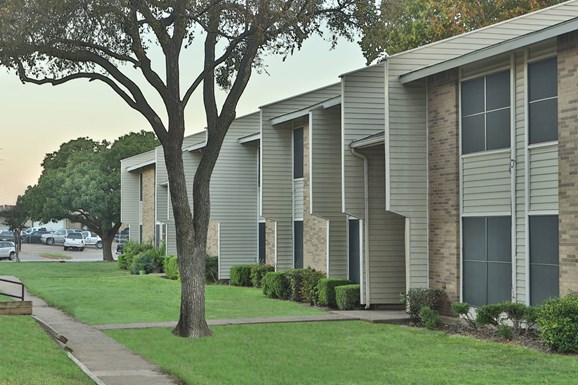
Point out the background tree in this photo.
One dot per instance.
(15, 219)
(81, 182)
(407, 24)
(116, 41)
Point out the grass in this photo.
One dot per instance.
(55, 256)
(29, 356)
(353, 353)
(99, 293)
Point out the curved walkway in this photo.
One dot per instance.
(108, 362)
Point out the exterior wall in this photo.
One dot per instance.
(213, 239)
(363, 110)
(314, 228)
(148, 204)
(568, 160)
(444, 177)
(544, 178)
(270, 242)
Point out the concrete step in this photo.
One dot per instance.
(16, 308)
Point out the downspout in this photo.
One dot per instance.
(365, 255)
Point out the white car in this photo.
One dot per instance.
(74, 240)
(7, 250)
(91, 239)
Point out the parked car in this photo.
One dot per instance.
(6, 235)
(7, 250)
(35, 236)
(122, 236)
(74, 240)
(57, 237)
(92, 239)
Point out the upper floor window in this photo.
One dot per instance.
(298, 153)
(485, 103)
(543, 101)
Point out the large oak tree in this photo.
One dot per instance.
(114, 41)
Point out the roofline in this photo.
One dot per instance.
(195, 147)
(256, 136)
(496, 49)
(141, 165)
(368, 141)
(298, 95)
(328, 103)
(152, 154)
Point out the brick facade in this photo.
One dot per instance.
(444, 183)
(270, 242)
(314, 228)
(148, 205)
(213, 239)
(568, 161)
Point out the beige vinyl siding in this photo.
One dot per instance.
(386, 254)
(234, 197)
(363, 115)
(544, 178)
(277, 166)
(326, 200)
(406, 160)
(486, 183)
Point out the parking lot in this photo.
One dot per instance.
(41, 252)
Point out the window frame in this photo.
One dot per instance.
(530, 102)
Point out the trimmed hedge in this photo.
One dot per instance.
(296, 279)
(258, 272)
(311, 286)
(558, 323)
(347, 297)
(327, 290)
(171, 267)
(415, 299)
(142, 262)
(276, 285)
(241, 275)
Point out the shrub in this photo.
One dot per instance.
(490, 314)
(415, 299)
(212, 269)
(347, 297)
(241, 275)
(463, 310)
(258, 272)
(276, 285)
(296, 279)
(171, 267)
(130, 251)
(430, 318)
(505, 331)
(558, 323)
(327, 290)
(310, 290)
(142, 262)
(517, 313)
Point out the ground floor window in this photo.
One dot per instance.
(487, 259)
(354, 250)
(262, 242)
(298, 244)
(544, 258)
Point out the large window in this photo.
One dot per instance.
(485, 103)
(298, 153)
(487, 269)
(544, 260)
(298, 244)
(543, 100)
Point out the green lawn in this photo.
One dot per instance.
(344, 353)
(99, 293)
(29, 356)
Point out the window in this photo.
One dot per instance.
(543, 101)
(544, 260)
(298, 244)
(262, 242)
(140, 187)
(485, 103)
(487, 266)
(298, 153)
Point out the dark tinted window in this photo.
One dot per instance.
(298, 244)
(543, 100)
(74, 236)
(544, 258)
(298, 153)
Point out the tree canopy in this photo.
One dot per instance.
(81, 182)
(407, 24)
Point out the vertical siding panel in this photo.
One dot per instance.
(520, 143)
(544, 178)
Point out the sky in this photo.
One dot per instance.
(36, 120)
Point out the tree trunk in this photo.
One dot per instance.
(107, 247)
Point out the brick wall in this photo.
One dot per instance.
(444, 203)
(568, 160)
(270, 242)
(314, 228)
(148, 205)
(213, 239)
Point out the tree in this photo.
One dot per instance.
(407, 24)
(81, 182)
(15, 218)
(112, 41)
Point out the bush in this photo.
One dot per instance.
(463, 310)
(505, 331)
(327, 290)
(142, 262)
(518, 314)
(171, 267)
(276, 285)
(490, 314)
(296, 279)
(241, 275)
(558, 323)
(212, 269)
(430, 318)
(415, 299)
(130, 251)
(311, 286)
(347, 297)
(258, 272)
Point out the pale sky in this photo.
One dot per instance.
(36, 120)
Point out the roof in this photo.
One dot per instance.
(369, 141)
(332, 102)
